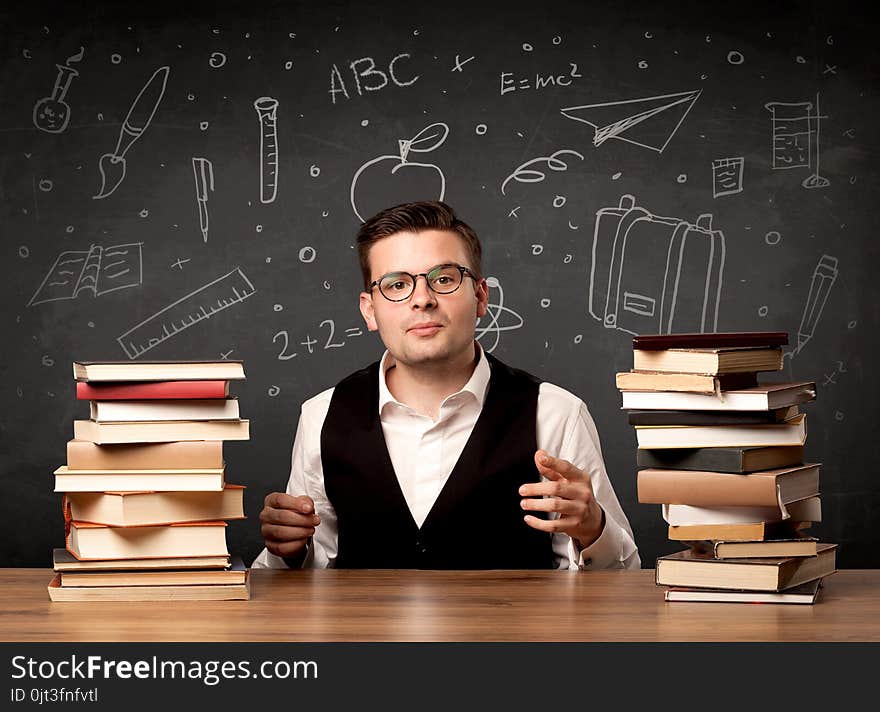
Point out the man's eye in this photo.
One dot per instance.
(398, 286)
(443, 280)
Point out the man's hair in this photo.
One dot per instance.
(416, 217)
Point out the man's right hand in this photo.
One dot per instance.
(287, 524)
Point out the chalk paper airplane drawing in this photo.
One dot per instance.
(650, 122)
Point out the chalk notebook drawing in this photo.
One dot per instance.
(96, 271)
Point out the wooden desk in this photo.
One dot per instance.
(337, 605)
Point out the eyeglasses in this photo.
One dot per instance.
(442, 279)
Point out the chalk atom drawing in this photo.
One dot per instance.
(496, 313)
(393, 179)
(203, 303)
(650, 122)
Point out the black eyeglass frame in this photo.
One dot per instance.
(415, 278)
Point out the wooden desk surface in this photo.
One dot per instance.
(338, 605)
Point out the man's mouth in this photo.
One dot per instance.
(425, 329)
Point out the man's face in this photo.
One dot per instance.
(447, 321)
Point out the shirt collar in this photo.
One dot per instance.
(476, 386)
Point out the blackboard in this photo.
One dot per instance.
(749, 126)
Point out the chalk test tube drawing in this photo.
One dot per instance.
(52, 113)
(795, 133)
(203, 170)
(653, 274)
(727, 176)
(393, 179)
(267, 111)
(143, 108)
(203, 303)
(96, 271)
(526, 173)
(824, 277)
(494, 312)
(650, 122)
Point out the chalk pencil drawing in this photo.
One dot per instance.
(795, 138)
(267, 112)
(496, 310)
(137, 121)
(203, 171)
(650, 122)
(52, 113)
(96, 271)
(653, 274)
(824, 276)
(727, 176)
(203, 303)
(528, 173)
(393, 179)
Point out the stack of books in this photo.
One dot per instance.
(145, 494)
(723, 456)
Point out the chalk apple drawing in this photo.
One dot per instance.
(394, 179)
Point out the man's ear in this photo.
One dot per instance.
(481, 289)
(366, 306)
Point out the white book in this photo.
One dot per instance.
(803, 510)
(96, 541)
(768, 396)
(155, 410)
(790, 432)
(207, 480)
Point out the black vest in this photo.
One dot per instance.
(476, 522)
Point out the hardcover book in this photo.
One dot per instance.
(690, 568)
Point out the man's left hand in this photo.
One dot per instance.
(569, 492)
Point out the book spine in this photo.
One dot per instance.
(183, 455)
(160, 431)
(711, 459)
(160, 410)
(707, 489)
(158, 390)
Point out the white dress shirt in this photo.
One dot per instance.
(424, 452)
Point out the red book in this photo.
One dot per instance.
(719, 340)
(151, 390)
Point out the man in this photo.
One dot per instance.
(440, 456)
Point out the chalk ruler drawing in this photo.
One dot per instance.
(527, 173)
(96, 271)
(203, 171)
(824, 277)
(394, 179)
(203, 303)
(727, 176)
(494, 311)
(52, 113)
(653, 274)
(143, 108)
(795, 133)
(267, 111)
(650, 122)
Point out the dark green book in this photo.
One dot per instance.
(723, 459)
(708, 417)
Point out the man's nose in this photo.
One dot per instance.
(422, 297)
